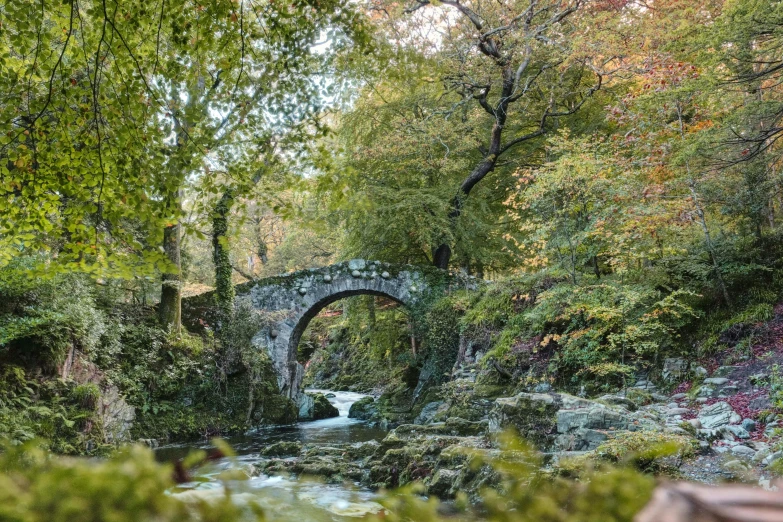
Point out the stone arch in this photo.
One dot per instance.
(294, 299)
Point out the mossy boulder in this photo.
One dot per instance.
(364, 409)
(315, 406)
(532, 415)
(322, 408)
(282, 449)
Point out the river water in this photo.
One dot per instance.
(285, 497)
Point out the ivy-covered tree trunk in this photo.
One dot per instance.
(224, 287)
(170, 309)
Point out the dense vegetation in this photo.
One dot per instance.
(608, 168)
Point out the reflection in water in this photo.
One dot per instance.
(285, 498)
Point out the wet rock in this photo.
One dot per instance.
(442, 482)
(282, 449)
(316, 406)
(715, 415)
(150, 443)
(428, 413)
(364, 409)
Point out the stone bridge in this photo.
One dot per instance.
(292, 300)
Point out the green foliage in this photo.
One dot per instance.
(60, 412)
(526, 495)
(41, 320)
(619, 325)
(130, 486)
(440, 344)
(650, 452)
(189, 386)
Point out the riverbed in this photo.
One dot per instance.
(285, 497)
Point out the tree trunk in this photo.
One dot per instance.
(224, 287)
(170, 309)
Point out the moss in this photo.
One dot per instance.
(639, 397)
(282, 449)
(322, 408)
(648, 451)
(533, 416)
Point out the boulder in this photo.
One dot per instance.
(282, 449)
(316, 406)
(428, 412)
(363, 409)
(743, 451)
(737, 431)
(442, 483)
(532, 415)
(715, 415)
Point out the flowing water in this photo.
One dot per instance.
(285, 497)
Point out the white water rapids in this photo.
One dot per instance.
(285, 497)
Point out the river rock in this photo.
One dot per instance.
(282, 449)
(316, 406)
(364, 409)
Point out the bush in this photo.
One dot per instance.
(130, 486)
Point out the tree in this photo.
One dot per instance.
(524, 76)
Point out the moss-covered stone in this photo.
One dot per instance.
(364, 409)
(532, 415)
(282, 449)
(323, 409)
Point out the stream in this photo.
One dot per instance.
(285, 497)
